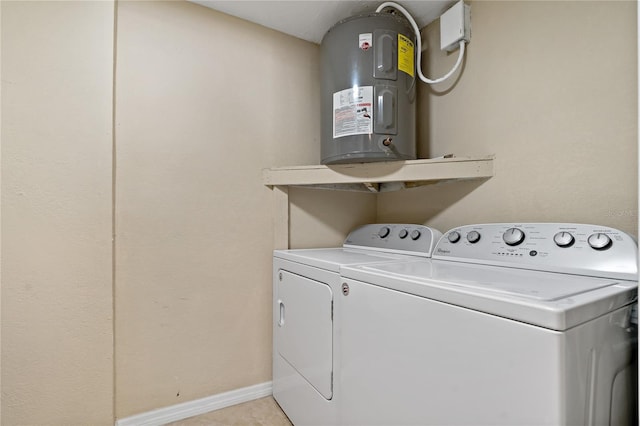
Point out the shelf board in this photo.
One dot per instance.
(381, 176)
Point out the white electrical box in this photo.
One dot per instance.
(455, 25)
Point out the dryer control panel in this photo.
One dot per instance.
(411, 239)
(571, 248)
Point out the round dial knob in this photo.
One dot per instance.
(473, 237)
(384, 231)
(415, 234)
(563, 239)
(599, 241)
(453, 237)
(513, 236)
(403, 234)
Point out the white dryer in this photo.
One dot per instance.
(307, 312)
(509, 324)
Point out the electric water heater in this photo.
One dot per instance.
(368, 91)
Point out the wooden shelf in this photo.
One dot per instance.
(381, 176)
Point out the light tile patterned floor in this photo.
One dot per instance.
(260, 412)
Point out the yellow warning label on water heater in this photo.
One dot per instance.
(405, 55)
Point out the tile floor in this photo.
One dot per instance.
(260, 412)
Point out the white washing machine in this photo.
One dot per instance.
(307, 314)
(508, 324)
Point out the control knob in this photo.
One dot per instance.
(453, 237)
(599, 241)
(513, 236)
(563, 239)
(383, 232)
(403, 234)
(473, 237)
(415, 234)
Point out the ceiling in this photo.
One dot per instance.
(310, 20)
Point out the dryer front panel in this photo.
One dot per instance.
(304, 328)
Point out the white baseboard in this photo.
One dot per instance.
(196, 407)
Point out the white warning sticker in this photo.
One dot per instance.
(353, 111)
(365, 41)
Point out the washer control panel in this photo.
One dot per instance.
(571, 248)
(411, 239)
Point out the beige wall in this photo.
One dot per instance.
(550, 88)
(57, 324)
(321, 218)
(204, 102)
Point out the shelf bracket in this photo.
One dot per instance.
(373, 187)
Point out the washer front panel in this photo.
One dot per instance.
(409, 360)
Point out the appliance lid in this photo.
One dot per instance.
(332, 259)
(551, 300)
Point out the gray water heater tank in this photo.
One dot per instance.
(368, 90)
